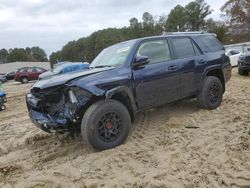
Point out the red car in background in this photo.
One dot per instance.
(26, 74)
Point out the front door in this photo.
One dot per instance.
(157, 82)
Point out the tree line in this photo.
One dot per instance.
(21, 54)
(188, 18)
(192, 17)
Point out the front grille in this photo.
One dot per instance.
(53, 97)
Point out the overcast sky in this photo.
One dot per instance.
(50, 24)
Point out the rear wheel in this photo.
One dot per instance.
(24, 80)
(106, 124)
(242, 72)
(211, 94)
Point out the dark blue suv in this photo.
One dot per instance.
(127, 78)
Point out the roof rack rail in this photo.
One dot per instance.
(181, 33)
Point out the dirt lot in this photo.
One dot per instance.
(160, 152)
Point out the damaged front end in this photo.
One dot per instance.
(57, 109)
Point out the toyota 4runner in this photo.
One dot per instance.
(129, 77)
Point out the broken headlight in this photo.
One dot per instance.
(78, 96)
(77, 99)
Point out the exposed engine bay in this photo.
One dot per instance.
(57, 109)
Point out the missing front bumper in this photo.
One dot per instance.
(48, 123)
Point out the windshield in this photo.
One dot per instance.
(113, 56)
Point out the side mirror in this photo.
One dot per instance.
(141, 60)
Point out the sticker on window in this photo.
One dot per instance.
(122, 50)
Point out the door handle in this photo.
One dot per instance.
(172, 67)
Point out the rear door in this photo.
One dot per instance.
(189, 59)
(157, 82)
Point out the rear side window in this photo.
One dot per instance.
(183, 47)
(157, 51)
(196, 49)
(210, 43)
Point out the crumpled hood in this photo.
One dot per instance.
(64, 78)
(47, 74)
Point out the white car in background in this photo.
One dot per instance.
(234, 56)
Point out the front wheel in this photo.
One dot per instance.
(106, 124)
(211, 94)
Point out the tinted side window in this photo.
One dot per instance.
(157, 51)
(210, 43)
(183, 47)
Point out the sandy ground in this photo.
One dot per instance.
(160, 152)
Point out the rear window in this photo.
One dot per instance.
(210, 43)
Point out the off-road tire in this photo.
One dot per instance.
(205, 98)
(242, 72)
(91, 123)
(24, 80)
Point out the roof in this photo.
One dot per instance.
(171, 34)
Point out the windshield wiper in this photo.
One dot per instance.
(102, 66)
